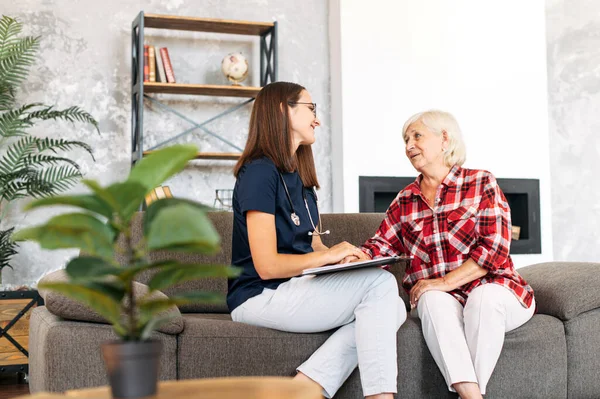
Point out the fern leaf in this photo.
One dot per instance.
(53, 180)
(15, 60)
(48, 144)
(71, 114)
(16, 154)
(9, 28)
(7, 248)
(14, 122)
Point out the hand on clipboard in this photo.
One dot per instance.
(388, 260)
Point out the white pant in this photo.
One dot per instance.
(466, 342)
(364, 303)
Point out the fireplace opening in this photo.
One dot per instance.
(522, 195)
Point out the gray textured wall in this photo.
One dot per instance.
(574, 101)
(85, 60)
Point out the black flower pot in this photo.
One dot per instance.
(132, 367)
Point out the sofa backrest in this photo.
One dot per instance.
(352, 227)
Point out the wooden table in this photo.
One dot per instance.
(212, 388)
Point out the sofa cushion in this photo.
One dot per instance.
(564, 289)
(70, 309)
(583, 355)
(213, 346)
(355, 228)
(537, 345)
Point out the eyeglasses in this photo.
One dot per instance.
(313, 109)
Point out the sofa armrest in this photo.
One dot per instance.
(69, 309)
(564, 289)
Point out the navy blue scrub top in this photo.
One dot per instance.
(259, 188)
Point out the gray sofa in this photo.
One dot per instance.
(555, 355)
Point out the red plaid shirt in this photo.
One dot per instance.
(470, 219)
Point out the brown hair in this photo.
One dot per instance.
(269, 133)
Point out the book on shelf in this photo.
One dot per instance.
(158, 193)
(160, 68)
(164, 52)
(146, 65)
(151, 64)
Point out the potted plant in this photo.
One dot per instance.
(30, 166)
(102, 231)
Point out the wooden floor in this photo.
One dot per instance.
(10, 387)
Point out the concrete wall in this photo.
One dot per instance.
(85, 60)
(574, 101)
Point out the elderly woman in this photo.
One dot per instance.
(462, 282)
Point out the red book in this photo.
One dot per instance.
(146, 64)
(167, 64)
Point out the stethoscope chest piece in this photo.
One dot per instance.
(295, 219)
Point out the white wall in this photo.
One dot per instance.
(484, 62)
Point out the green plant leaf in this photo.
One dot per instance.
(180, 273)
(123, 198)
(153, 324)
(88, 202)
(163, 203)
(101, 298)
(183, 227)
(129, 196)
(102, 193)
(90, 267)
(153, 170)
(72, 230)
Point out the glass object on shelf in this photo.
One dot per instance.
(223, 199)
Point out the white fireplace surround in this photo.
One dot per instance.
(484, 63)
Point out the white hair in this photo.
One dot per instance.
(439, 122)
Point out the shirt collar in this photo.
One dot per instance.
(450, 180)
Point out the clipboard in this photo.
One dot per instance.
(355, 265)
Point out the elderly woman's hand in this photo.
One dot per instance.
(422, 286)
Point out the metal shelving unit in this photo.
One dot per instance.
(140, 89)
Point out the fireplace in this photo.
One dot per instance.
(523, 196)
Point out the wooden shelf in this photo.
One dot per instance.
(207, 25)
(227, 156)
(202, 90)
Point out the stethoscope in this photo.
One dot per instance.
(295, 218)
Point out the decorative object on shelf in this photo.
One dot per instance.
(15, 310)
(29, 165)
(267, 34)
(235, 68)
(103, 276)
(515, 232)
(158, 193)
(223, 199)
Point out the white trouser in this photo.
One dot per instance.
(466, 342)
(364, 302)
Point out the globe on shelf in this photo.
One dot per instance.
(235, 68)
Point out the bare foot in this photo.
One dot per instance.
(303, 377)
(468, 390)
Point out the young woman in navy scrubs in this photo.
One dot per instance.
(276, 235)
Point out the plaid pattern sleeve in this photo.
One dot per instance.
(386, 240)
(470, 218)
(493, 228)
